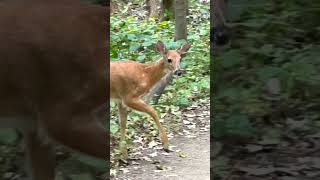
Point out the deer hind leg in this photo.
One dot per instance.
(123, 114)
(39, 157)
(139, 105)
(80, 132)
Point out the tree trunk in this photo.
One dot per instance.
(157, 90)
(181, 19)
(152, 8)
(180, 33)
(219, 11)
(187, 7)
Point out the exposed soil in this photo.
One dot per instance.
(188, 160)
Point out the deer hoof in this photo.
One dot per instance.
(166, 148)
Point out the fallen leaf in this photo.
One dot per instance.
(160, 167)
(124, 170)
(253, 148)
(165, 154)
(190, 115)
(152, 144)
(135, 163)
(186, 122)
(146, 158)
(113, 172)
(153, 154)
(182, 154)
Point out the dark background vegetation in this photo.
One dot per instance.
(265, 92)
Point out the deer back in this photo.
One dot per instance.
(51, 53)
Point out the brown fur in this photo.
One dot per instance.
(53, 75)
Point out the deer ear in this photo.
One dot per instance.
(161, 48)
(184, 48)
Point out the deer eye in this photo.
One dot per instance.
(169, 60)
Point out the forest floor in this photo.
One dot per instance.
(289, 150)
(189, 158)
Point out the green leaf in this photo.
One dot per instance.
(204, 32)
(8, 136)
(114, 127)
(268, 72)
(163, 24)
(134, 47)
(147, 43)
(194, 37)
(236, 8)
(267, 49)
(97, 163)
(232, 58)
(182, 101)
(236, 125)
(141, 57)
(132, 37)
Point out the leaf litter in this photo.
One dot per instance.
(148, 159)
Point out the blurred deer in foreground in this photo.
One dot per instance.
(53, 76)
(219, 30)
(130, 80)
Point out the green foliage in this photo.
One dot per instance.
(8, 136)
(272, 39)
(235, 126)
(133, 37)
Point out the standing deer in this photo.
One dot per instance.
(219, 29)
(130, 80)
(53, 76)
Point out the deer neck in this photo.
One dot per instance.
(155, 71)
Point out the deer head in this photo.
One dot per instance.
(172, 58)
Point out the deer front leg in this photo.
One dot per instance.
(123, 114)
(139, 105)
(39, 157)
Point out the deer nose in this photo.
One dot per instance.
(220, 35)
(178, 72)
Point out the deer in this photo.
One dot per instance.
(131, 80)
(53, 77)
(220, 31)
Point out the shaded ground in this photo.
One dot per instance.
(188, 160)
(289, 150)
(69, 165)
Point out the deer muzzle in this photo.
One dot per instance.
(178, 72)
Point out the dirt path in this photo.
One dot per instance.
(188, 160)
